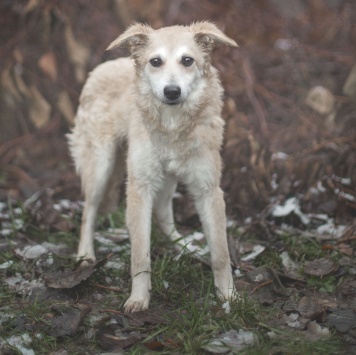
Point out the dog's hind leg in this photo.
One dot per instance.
(110, 200)
(96, 172)
(163, 209)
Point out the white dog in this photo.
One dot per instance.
(160, 112)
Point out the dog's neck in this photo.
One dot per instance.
(173, 121)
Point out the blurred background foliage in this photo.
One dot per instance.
(290, 98)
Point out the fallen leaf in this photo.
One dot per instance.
(321, 100)
(48, 65)
(154, 316)
(345, 249)
(308, 307)
(39, 108)
(349, 88)
(68, 323)
(257, 250)
(231, 341)
(112, 338)
(319, 267)
(155, 345)
(78, 53)
(32, 251)
(288, 263)
(347, 294)
(65, 106)
(59, 352)
(10, 89)
(71, 278)
(342, 320)
(30, 6)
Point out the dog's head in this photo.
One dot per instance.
(172, 59)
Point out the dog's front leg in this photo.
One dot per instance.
(211, 208)
(138, 220)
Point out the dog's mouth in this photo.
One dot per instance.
(172, 102)
(168, 102)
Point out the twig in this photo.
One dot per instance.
(261, 285)
(340, 57)
(346, 239)
(116, 289)
(322, 145)
(113, 311)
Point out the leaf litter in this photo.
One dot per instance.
(267, 285)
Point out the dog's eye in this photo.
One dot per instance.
(187, 61)
(156, 62)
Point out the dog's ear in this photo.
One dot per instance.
(136, 36)
(208, 35)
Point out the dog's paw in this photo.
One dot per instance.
(86, 255)
(84, 263)
(228, 294)
(135, 304)
(85, 260)
(85, 251)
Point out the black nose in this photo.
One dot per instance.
(172, 92)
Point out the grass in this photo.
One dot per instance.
(182, 287)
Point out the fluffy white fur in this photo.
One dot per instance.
(125, 122)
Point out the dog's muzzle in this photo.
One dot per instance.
(172, 93)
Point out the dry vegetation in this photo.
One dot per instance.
(289, 177)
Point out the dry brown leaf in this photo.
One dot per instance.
(11, 81)
(9, 90)
(319, 267)
(48, 64)
(112, 338)
(309, 306)
(342, 320)
(345, 249)
(17, 90)
(321, 100)
(151, 316)
(78, 53)
(71, 278)
(40, 109)
(349, 88)
(69, 322)
(65, 107)
(31, 5)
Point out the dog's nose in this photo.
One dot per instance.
(172, 92)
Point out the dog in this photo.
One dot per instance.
(157, 116)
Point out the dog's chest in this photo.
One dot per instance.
(174, 155)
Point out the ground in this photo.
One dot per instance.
(289, 182)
